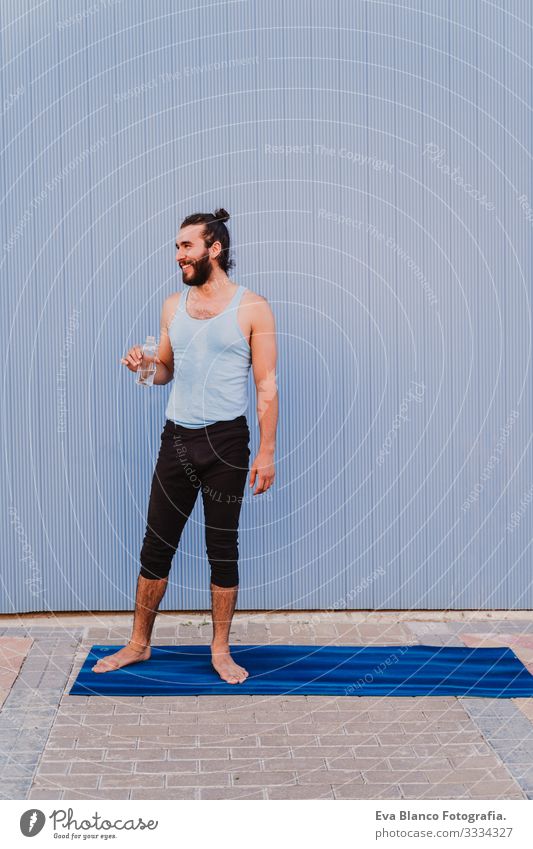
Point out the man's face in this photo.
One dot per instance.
(193, 256)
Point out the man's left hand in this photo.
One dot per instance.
(263, 470)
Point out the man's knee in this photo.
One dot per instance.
(224, 574)
(156, 573)
(156, 559)
(223, 554)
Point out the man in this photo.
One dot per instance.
(211, 333)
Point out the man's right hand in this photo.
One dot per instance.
(133, 358)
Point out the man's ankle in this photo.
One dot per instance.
(137, 646)
(220, 646)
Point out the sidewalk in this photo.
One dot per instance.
(56, 746)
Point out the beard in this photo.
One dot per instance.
(198, 273)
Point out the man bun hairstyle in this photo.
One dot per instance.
(222, 215)
(215, 230)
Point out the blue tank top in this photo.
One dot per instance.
(212, 359)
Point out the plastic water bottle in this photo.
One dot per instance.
(148, 366)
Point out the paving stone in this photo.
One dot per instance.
(68, 782)
(354, 763)
(330, 776)
(61, 744)
(364, 791)
(265, 779)
(268, 740)
(473, 759)
(101, 768)
(191, 719)
(489, 707)
(431, 762)
(465, 736)
(167, 767)
(102, 720)
(165, 793)
(265, 752)
(426, 791)
(497, 790)
(524, 774)
(15, 771)
(53, 768)
(19, 759)
(174, 740)
(15, 790)
(122, 731)
(309, 791)
(233, 702)
(351, 739)
(36, 793)
(230, 793)
(121, 710)
(382, 752)
(92, 795)
(462, 775)
(257, 728)
(96, 707)
(231, 766)
(396, 728)
(295, 728)
(398, 715)
(76, 755)
(197, 752)
(400, 777)
(299, 761)
(192, 779)
(130, 781)
(514, 756)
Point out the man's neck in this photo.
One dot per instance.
(214, 287)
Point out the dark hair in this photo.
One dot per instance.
(215, 230)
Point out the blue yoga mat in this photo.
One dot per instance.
(315, 670)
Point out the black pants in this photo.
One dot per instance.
(213, 459)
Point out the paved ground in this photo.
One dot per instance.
(13, 651)
(56, 746)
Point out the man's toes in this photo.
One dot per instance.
(104, 665)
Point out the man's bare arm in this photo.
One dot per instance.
(264, 357)
(165, 359)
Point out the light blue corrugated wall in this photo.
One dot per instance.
(376, 161)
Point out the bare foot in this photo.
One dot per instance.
(226, 667)
(121, 658)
